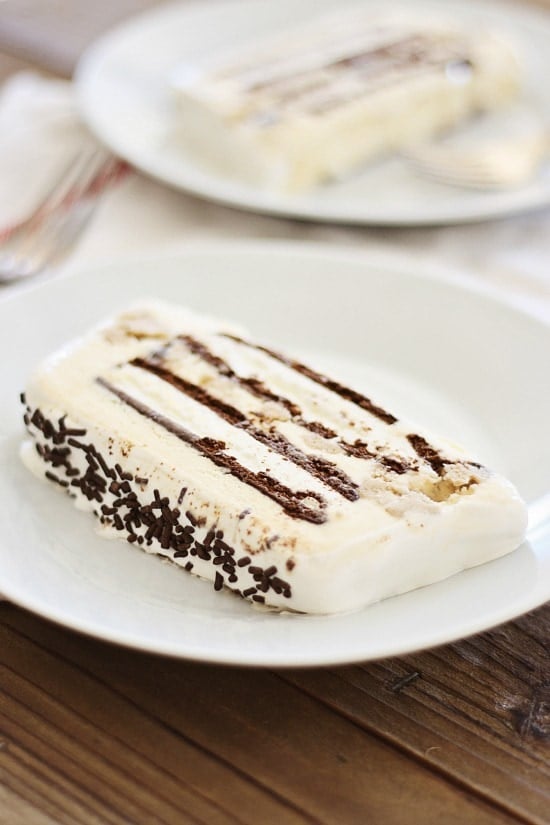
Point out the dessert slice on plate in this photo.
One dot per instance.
(251, 469)
(301, 107)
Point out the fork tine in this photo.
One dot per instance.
(493, 166)
(474, 174)
(471, 178)
(93, 168)
(68, 232)
(41, 244)
(47, 238)
(56, 191)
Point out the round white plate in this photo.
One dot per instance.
(437, 350)
(124, 94)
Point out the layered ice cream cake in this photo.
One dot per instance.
(311, 104)
(251, 469)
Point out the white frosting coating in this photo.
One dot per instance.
(379, 522)
(296, 109)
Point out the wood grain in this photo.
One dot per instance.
(478, 710)
(110, 751)
(122, 727)
(17, 811)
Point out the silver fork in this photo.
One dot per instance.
(493, 165)
(49, 233)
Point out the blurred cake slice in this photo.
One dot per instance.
(298, 108)
(255, 471)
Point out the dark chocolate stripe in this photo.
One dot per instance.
(379, 78)
(376, 66)
(425, 451)
(320, 468)
(317, 428)
(357, 449)
(407, 49)
(339, 389)
(224, 410)
(291, 501)
(253, 385)
(260, 390)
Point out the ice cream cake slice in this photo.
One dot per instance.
(314, 103)
(253, 470)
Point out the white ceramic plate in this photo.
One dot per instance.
(124, 94)
(441, 352)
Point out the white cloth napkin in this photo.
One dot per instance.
(39, 131)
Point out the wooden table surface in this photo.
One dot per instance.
(93, 733)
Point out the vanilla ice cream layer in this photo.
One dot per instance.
(255, 471)
(305, 106)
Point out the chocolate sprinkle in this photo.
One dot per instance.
(190, 517)
(55, 478)
(158, 520)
